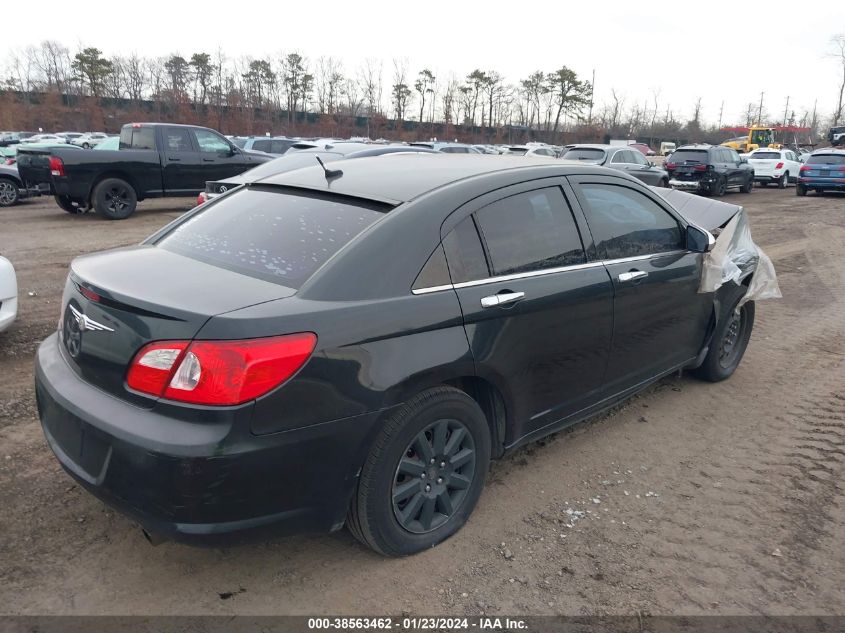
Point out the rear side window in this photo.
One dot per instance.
(627, 223)
(530, 231)
(177, 139)
(465, 253)
(262, 145)
(435, 272)
(283, 237)
(826, 159)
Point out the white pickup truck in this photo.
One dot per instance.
(780, 166)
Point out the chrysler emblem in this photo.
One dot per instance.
(223, 189)
(75, 323)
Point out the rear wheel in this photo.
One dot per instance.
(424, 474)
(66, 204)
(719, 187)
(800, 190)
(114, 199)
(730, 339)
(9, 192)
(783, 180)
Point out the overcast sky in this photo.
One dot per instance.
(685, 50)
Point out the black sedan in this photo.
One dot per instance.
(621, 157)
(354, 345)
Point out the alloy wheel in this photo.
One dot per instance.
(433, 476)
(117, 199)
(8, 193)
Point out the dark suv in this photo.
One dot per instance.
(709, 170)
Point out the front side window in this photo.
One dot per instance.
(530, 231)
(211, 143)
(627, 223)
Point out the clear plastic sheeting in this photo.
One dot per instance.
(734, 257)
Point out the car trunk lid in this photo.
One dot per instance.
(105, 320)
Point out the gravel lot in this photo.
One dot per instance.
(692, 498)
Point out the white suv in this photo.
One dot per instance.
(8, 294)
(774, 165)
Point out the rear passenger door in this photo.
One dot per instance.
(537, 312)
(659, 316)
(180, 161)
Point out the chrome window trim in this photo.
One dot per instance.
(543, 272)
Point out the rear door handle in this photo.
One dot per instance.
(175, 160)
(503, 298)
(208, 160)
(632, 275)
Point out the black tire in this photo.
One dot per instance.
(748, 187)
(391, 505)
(66, 204)
(719, 188)
(9, 193)
(730, 339)
(114, 199)
(800, 190)
(86, 146)
(783, 180)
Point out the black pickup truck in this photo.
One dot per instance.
(154, 160)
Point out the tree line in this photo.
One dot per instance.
(552, 105)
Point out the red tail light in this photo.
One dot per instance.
(201, 198)
(57, 167)
(804, 168)
(779, 166)
(670, 165)
(218, 372)
(701, 167)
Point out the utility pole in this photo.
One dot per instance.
(786, 111)
(760, 110)
(592, 96)
(721, 110)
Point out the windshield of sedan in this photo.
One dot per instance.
(826, 159)
(590, 154)
(279, 235)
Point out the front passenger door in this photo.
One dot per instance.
(659, 316)
(219, 161)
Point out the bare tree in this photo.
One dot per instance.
(838, 42)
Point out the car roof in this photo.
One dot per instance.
(828, 150)
(402, 177)
(595, 146)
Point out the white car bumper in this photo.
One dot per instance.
(8, 294)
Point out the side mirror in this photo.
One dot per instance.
(699, 240)
(234, 150)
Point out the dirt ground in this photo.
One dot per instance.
(692, 498)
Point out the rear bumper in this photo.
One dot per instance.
(688, 185)
(197, 482)
(822, 183)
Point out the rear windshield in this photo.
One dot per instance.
(765, 155)
(691, 155)
(518, 151)
(279, 236)
(826, 159)
(585, 153)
